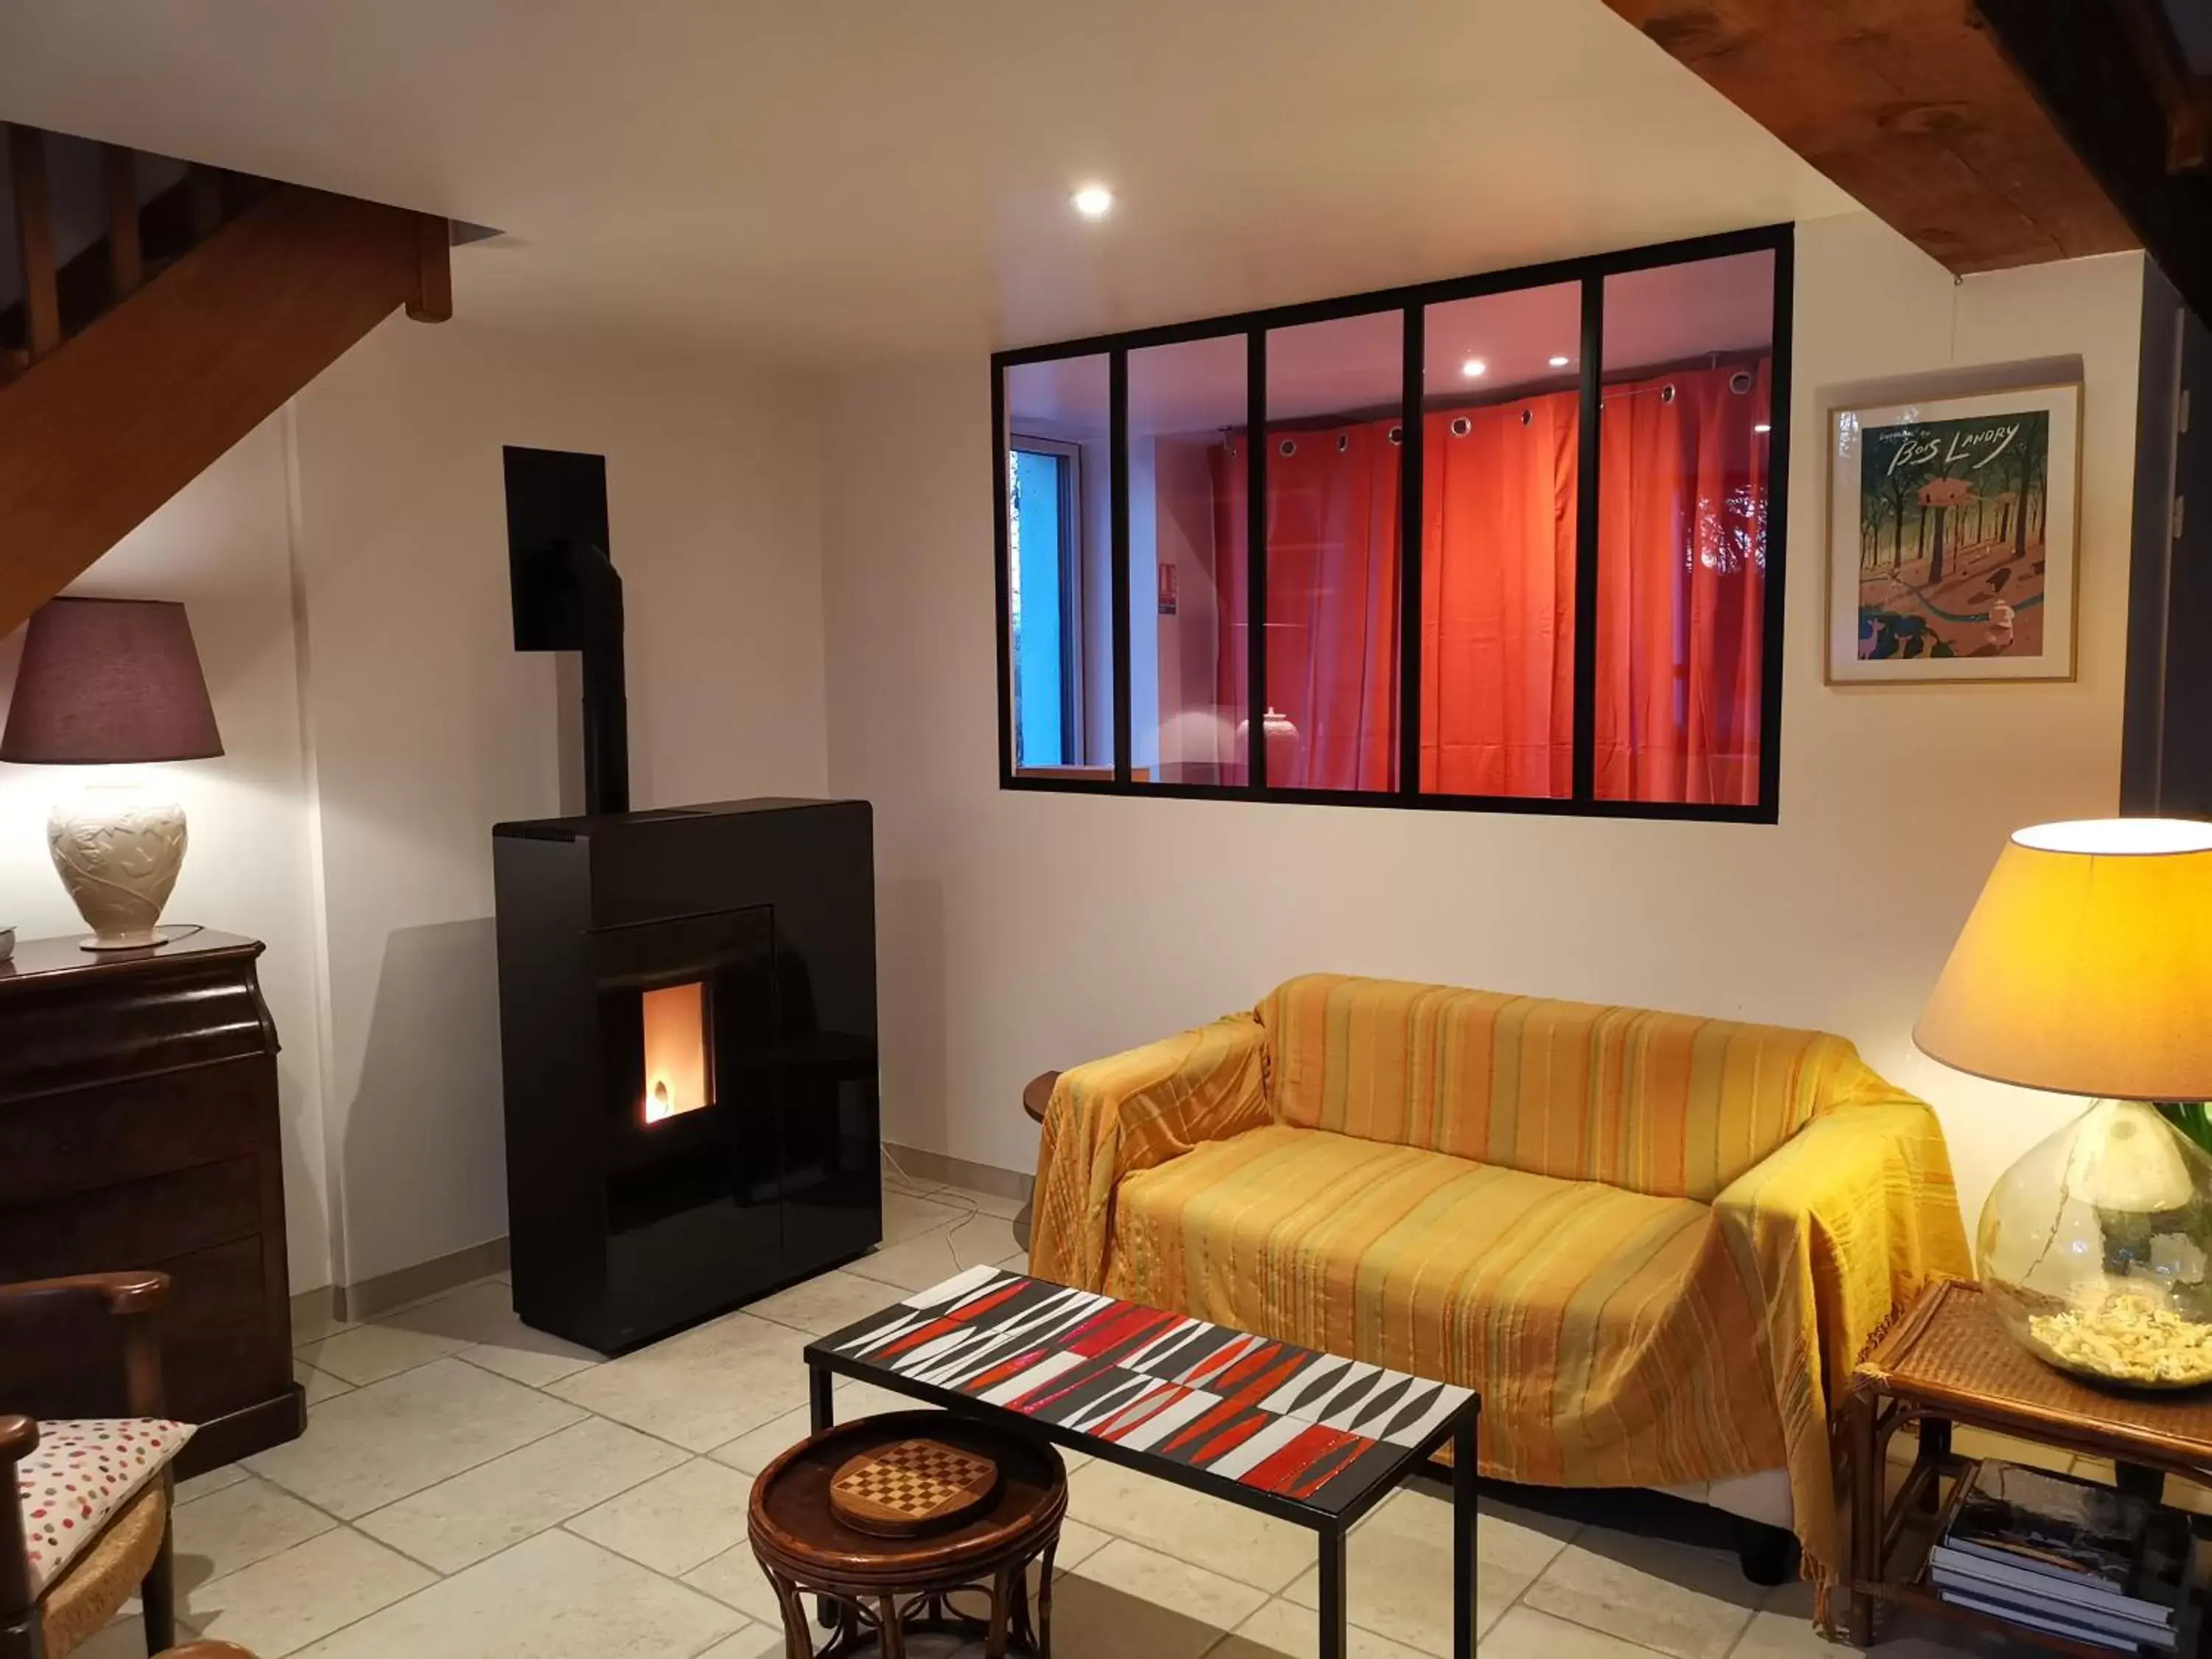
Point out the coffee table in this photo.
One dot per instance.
(1311, 1438)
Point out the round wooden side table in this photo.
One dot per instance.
(881, 1587)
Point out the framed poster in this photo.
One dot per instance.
(1952, 524)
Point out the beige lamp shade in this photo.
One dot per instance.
(2086, 968)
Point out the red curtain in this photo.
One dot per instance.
(1498, 600)
(1682, 491)
(1332, 599)
(1681, 587)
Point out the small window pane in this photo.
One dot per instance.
(1187, 411)
(1683, 446)
(1058, 557)
(1334, 393)
(1500, 431)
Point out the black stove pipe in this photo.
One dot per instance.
(567, 596)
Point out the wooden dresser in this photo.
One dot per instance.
(138, 1128)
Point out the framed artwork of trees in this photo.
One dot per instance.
(1951, 538)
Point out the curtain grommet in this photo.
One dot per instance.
(1397, 434)
(1461, 426)
(1527, 416)
(1343, 442)
(1289, 447)
(1740, 382)
(1667, 393)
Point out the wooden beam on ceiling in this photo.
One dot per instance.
(1911, 106)
(2129, 117)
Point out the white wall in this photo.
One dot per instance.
(221, 546)
(1025, 931)
(345, 573)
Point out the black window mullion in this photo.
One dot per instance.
(1410, 483)
(1256, 557)
(1000, 529)
(1117, 417)
(1777, 519)
(1586, 542)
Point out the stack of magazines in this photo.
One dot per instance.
(2064, 1555)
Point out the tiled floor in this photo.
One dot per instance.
(469, 1488)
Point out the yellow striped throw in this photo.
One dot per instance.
(1647, 1239)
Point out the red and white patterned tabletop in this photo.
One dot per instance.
(1317, 1429)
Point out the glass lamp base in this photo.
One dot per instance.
(2096, 1249)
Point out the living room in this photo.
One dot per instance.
(753, 268)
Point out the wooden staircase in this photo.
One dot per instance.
(199, 301)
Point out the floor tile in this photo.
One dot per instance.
(1525, 1633)
(379, 1444)
(1677, 1598)
(928, 1258)
(369, 1353)
(485, 1510)
(1129, 1600)
(1782, 1629)
(982, 1203)
(676, 1520)
(826, 1303)
(702, 1388)
(214, 1480)
(481, 1317)
(318, 1385)
(1240, 1543)
(906, 1215)
(1399, 1565)
(1077, 1544)
(124, 1637)
(314, 1327)
(1284, 1629)
(555, 1597)
(754, 1641)
(756, 1449)
(246, 1522)
(278, 1606)
(735, 1579)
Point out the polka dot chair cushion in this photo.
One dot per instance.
(82, 1473)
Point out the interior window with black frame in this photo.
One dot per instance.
(1508, 543)
(1053, 515)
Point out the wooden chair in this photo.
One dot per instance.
(132, 1550)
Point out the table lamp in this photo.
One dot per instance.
(112, 682)
(2086, 969)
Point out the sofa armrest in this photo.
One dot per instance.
(1133, 1111)
(1854, 1214)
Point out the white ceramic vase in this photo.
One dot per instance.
(118, 847)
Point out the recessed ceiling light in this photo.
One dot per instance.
(1093, 201)
(1559, 363)
(1475, 368)
(1763, 425)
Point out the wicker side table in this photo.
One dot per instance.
(880, 1588)
(1949, 1360)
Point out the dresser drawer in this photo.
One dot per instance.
(51, 1145)
(133, 1223)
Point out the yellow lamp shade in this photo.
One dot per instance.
(2086, 967)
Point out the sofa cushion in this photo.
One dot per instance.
(1672, 1104)
(1607, 1330)
(81, 1474)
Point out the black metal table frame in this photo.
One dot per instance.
(823, 1366)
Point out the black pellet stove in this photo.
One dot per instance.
(687, 1001)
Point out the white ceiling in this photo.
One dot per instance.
(848, 179)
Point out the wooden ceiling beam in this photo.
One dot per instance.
(1914, 107)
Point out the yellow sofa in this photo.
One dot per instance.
(1655, 1242)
